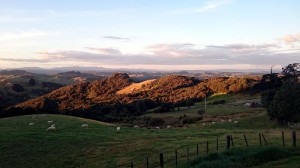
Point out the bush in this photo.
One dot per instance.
(218, 102)
(17, 88)
(155, 121)
(201, 111)
(188, 120)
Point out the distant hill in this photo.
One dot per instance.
(15, 72)
(118, 95)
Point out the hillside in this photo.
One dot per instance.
(118, 95)
(17, 86)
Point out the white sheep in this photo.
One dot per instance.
(52, 128)
(31, 124)
(229, 120)
(235, 122)
(84, 126)
(136, 126)
(51, 121)
(169, 126)
(118, 128)
(157, 127)
(213, 122)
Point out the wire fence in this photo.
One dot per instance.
(184, 155)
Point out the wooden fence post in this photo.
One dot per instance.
(246, 141)
(176, 158)
(207, 147)
(259, 139)
(147, 162)
(161, 159)
(228, 142)
(187, 155)
(264, 139)
(217, 144)
(294, 138)
(282, 134)
(231, 141)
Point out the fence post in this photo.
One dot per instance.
(217, 144)
(259, 139)
(176, 158)
(131, 165)
(231, 141)
(264, 139)
(282, 134)
(228, 142)
(294, 138)
(147, 162)
(161, 159)
(187, 156)
(207, 147)
(197, 150)
(246, 141)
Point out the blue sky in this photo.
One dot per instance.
(156, 34)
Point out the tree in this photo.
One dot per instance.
(292, 70)
(31, 82)
(285, 105)
(17, 88)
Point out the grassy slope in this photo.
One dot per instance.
(240, 158)
(102, 146)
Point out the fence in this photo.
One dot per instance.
(179, 156)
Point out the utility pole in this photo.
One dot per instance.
(272, 69)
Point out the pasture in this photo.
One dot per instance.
(101, 145)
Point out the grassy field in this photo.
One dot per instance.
(101, 145)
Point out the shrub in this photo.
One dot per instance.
(155, 121)
(17, 88)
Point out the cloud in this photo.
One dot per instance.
(212, 5)
(176, 54)
(116, 38)
(22, 34)
(10, 19)
(289, 39)
(171, 50)
(105, 51)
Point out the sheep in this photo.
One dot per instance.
(136, 126)
(31, 124)
(169, 126)
(84, 126)
(52, 128)
(118, 128)
(51, 121)
(203, 124)
(235, 122)
(157, 127)
(213, 122)
(229, 120)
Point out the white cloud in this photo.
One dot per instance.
(291, 38)
(212, 5)
(22, 34)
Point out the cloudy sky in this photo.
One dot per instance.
(150, 34)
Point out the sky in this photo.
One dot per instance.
(150, 34)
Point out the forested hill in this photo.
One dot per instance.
(97, 96)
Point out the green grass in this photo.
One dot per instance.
(240, 158)
(101, 145)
